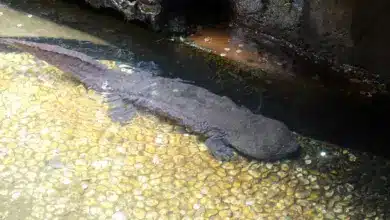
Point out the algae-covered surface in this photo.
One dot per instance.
(61, 157)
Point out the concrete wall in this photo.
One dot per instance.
(348, 31)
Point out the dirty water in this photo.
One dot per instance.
(62, 158)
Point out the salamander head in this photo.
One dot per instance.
(267, 141)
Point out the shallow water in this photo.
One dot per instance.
(62, 158)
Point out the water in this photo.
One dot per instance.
(62, 158)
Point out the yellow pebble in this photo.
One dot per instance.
(151, 202)
(151, 215)
(101, 188)
(211, 212)
(12, 145)
(139, 213)
(233, 172)
(106, 205)
(150, 149)
(39, 156)
(8, 160)
(178, 159)
(28, 153)
(245, 177)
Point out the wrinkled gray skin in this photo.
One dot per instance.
(225, 124)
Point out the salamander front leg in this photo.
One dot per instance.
(220, 149)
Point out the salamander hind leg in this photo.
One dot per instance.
(122, 114)
(220, 149)
(120, 111)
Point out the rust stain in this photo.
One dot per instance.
(219, 41)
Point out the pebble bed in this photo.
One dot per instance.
(62, 158)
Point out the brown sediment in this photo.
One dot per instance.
(219, 41)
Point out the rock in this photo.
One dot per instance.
(302, 194)
(338, 209)
(119, 216)
(142, 10)
(282, 174)
(329, 194)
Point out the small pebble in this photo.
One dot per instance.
(238, 51)
(128, 71)
(223, 54)
(29, 15)
(156, 160)
(66, 181)
(15, 195)
(121, 150)
(249, 202)
(329, 194)
(349, 187)
(19, 25)
(119, 216)
(112, 196)
(312, 178)
(159, 139)
(269, 165)
(338, 209)
(227, 49)
(352, 158)
(196, 206)
(84, 186)
(138, 165)
(207, 39)
(94, 211)
(125, 66)
(308, 162)
(56, 163)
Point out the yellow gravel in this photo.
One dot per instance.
(62, 158)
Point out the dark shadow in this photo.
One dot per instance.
(329, 115)
(371, 38)
(199, 12)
